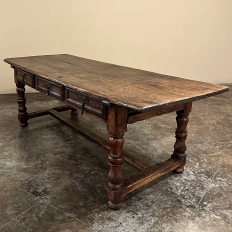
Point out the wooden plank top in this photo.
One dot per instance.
(136, 89)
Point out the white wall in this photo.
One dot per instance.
(186, 38)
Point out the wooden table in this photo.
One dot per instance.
(117, 95)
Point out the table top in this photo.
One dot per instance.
(136, 89)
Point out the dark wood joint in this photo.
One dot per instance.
(115, 197)
(180, 157)
(117, 120)
(73, 111)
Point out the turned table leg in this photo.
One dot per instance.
(116, 125)
(22, 109)
(181, 135)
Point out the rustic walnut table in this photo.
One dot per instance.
(117, 95)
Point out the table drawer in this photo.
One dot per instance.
(25, 78)
(51, 88)
(85, 102)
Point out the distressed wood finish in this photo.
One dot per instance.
(136, 89)
(116, 125)
(22, 109)
(146, 115)
(51, 88)
(149, 174)
(117, 95)
(181, 135)
(85, 102)
(25, 77)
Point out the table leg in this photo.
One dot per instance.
(181, 135)
(73, 111)
(22, 109)
(116, 125)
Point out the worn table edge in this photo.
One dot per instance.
(116, 102)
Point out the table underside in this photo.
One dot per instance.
(145, 173)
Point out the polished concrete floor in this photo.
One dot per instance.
(52, 179)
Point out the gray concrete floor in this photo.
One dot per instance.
(52, 179)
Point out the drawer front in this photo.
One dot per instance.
(49, 87)
(91, 105)
(25, 77)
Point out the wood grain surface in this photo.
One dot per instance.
(136, 89)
